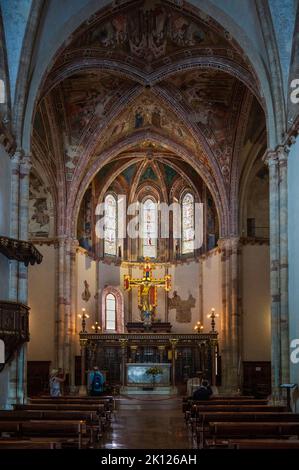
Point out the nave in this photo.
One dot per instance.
(148, 422)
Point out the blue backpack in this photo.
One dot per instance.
(97, 382)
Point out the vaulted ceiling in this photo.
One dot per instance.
(147, 76)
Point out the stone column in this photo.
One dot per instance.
(25, 167)
(224, 314)
(235, 315)
(133, 349)
(230, 318)
(123, 343)
(213, 360)
(83, 367)
(173, 342)
(283, 263)
(69, 314)
(73, 319)
(60, 304)
(14, 221)
(161, 353)
(271, 158)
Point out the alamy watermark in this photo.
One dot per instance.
(294, 96)
(295, 353)
(157, 220)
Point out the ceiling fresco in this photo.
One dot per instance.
(109, 93)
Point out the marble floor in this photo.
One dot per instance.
(148, 422)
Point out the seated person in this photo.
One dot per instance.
(96, 382)
(204, 392)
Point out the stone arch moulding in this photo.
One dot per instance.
(70, 24)
(120, 317)
(78, 189)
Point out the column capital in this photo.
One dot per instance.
(25, 164)
(229, 243)
(16, 157)
(270, 157)
(277, 156)
(282, 152)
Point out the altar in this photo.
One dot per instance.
(139, 381)
(137, 374)
(127, 356)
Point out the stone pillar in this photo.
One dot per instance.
(82, 391)
(133, 349)
(271, 158)
(200, 287)
(123, 343)
(224, 315)
(161, 353)
(283, 263)
(230, 318)
(60, 304)
(69, 314)
(173, 342)
(235, 316)
(14, 221)
(213, 361)
(75, 245)
(25, 167)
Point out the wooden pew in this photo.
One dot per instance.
(255, 444)
(104, 415)
(60, 406)
(108, 403)
(94, 421)
(197, 410)
(224, 416)
(187, 406)
(63, 429)
(28, 444)
(202, 431)
(253, 430)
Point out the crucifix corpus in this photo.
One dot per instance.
(147, 291)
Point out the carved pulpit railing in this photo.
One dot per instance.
(189, 354)
(20, 250)
(14, 326)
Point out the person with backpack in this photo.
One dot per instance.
(96, 382)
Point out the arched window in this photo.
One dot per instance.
(110, 312)
(188, 223)
(149, 229)
(110, 225)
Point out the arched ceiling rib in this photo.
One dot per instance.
(148, 74)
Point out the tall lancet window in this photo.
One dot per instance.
(110, 312)
(149, 228)
(110, 225)
(187, 223)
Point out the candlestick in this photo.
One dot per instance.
(83, 317)
(212, 316)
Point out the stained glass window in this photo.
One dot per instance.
(110, 225)
(149, 228)
(187, 223)
(110, 312)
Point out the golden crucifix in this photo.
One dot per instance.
(147, 290)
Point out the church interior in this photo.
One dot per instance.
(149, 160)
